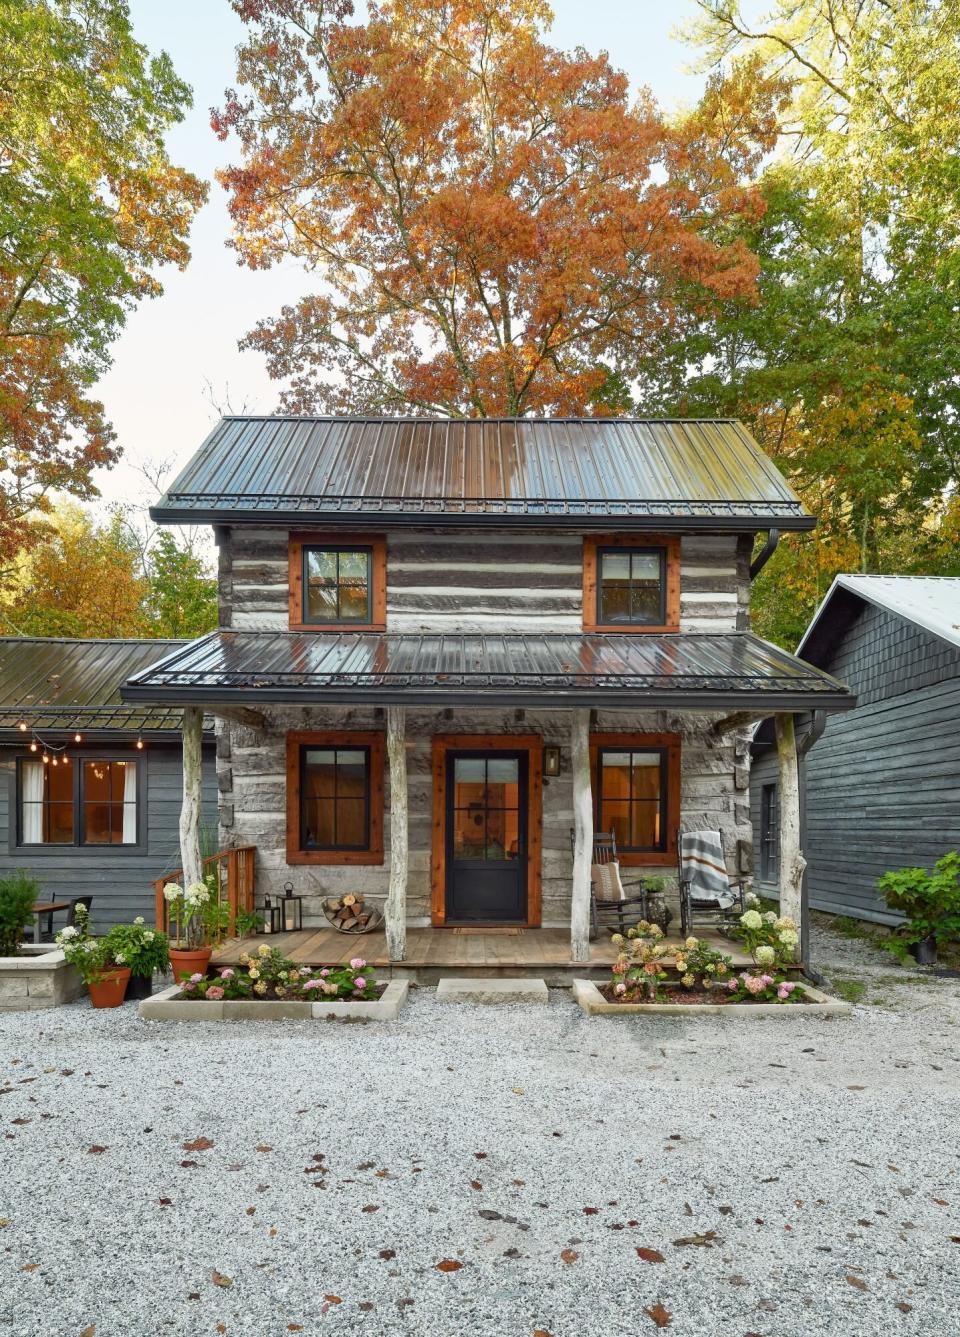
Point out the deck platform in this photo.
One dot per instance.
(437, 953)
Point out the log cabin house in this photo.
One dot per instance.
(444, 646)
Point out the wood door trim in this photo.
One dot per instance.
(378, 577)
(591, 545)
(532, 744)
(671, 743)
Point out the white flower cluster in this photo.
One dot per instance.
(198, 893)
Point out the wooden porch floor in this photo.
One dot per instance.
(435, 952)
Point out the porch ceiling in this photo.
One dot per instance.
(685, 671)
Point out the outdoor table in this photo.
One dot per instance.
(50, 908)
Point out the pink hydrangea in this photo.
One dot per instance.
(785, 990)
(619, 967)
(754, 984)
(226, 973)
(357, 963)
(359, 982)
(324, 972)
(732, 985)
(311, 984)
(620, 988)
(195, 979)
(215, 992)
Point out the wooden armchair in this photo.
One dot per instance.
(610, 904)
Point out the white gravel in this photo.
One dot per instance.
(824, 1153)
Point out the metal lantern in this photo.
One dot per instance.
(291, 909)
(272, 915)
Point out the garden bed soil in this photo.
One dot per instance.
(172, 1005)
(688, 997)
(590, 998)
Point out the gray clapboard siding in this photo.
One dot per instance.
(120, 882)
(882, 786)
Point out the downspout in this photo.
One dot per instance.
(765, 553)
(813, 734)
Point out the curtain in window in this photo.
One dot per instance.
(31, 779)
(130, 803)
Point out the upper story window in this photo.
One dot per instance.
(337, 582)
(78, 802)
(631, 583)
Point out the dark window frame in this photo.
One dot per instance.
(79, 845)
(338, 549)
(375, 545)
(613, 551)
(769, 832)
(343, 740)
(663, 846)
(337, 847)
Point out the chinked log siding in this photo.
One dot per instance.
(253, 803)
(472, 582)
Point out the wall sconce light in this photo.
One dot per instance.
(551, 761)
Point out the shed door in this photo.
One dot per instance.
(486, 836)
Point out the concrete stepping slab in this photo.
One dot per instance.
(460, 990)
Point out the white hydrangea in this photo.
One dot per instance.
(752, 899)
(785, 922)
(171, 891)
(770, 917)
(67, 933)
(149, 935)
(765, 955)
(751, 919)
(196, 894)
(788, 937)
(139, 919)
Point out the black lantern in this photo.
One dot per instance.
(272, 915)
(291, 909)
(551, 761)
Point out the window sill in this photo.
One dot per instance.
(334, 857)
(629, 629)
(338, 626)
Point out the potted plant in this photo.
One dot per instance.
(145, 951)
(18, 893)
(186, 908)
(931, 903)
(102, 968)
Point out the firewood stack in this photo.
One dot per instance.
(348, 914)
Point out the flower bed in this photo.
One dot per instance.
(682, 1002)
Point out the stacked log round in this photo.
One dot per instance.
(348, 914)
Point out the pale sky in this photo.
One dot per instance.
(154, 393)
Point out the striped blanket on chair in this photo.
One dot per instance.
(703, 864)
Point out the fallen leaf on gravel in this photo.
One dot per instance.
(219, 1279)
(489, 1214)
(519, 1182)
(541, 1332)
(660, 1316)
(29, 1267)
(517, 1090)
(188, 1165)
(272, 1232)
(294, 1327)
(333, 1299)
(365, 1305)
(590, 1211)
(955, 1239)
(166, 1202)
(480, 1155)
(194, 1295)
(650, 1255)
(856, 1088)
(263, 1148)
(21, 1122)
(88, 1332)
(4, 1221)
(370, 1207)
(221, 1327)
(198, 1144)
(737, 1280)
(569, 1255)
(706, 1240)
(857, 1282)
(365, 1165)
(904, 1307)
(95, 1150)
(388, 1253)
(448, 1265)
(941, 1202)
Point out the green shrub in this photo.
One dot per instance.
(930, 901)
(142, 948)
(18, 894)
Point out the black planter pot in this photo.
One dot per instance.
(923, 952)
(140, 986)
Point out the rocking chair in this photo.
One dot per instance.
(610, 906)
(707, 893)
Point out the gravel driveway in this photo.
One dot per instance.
(783, 1177)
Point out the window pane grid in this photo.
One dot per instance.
(486, 808)
(337, 584)
(335, 798)
(631, 587)
(91, 803)
(632, 799)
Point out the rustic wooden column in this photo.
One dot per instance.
(583, 836)
(396, 908)
(792, 862)
(192, 795)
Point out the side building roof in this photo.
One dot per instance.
(580, 472)
(929, 602)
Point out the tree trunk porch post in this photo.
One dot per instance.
(583, 836)
(396, 907)
(791, 860)
(190, 811)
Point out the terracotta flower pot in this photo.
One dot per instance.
(185, 962)
(108, 991)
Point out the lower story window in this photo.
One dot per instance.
(85, 802)
(636, 783)
(334, 797)
(769, 834)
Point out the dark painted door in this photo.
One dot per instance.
(486, 837)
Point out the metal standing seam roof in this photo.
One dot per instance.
(929, 602)
(54, 683)
(671, 473)
(688, 670)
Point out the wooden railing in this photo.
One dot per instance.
(234, 887)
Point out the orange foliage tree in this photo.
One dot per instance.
(496, 229)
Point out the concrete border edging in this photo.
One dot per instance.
(170, 1005)
(592, 1001)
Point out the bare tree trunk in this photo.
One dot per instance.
(396, 909)
(192, 795)
(583, 836)
(792, 862)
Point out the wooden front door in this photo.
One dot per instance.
(486, 836)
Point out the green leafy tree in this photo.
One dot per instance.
(182, 594)
(90, 207)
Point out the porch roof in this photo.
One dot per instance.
(693, 671)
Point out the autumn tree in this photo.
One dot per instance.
(90, 207)
(495, 228)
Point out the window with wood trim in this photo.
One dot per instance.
(636, 789)
(631, 583)
(84, 801)
(335, 797)
(338, 582)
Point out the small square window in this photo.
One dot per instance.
(631, 589)
(337, 585)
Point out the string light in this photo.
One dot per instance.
(22, 726)
(77, 738)
(140, 744)
(33, 745)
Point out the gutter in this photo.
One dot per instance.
(765, 553)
